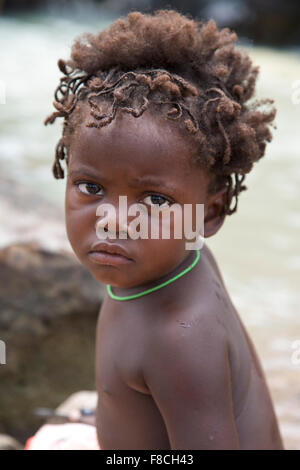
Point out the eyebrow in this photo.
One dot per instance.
(84, 172)
(150, 181)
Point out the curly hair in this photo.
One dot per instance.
(188, 70)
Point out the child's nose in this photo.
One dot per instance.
(114, 223)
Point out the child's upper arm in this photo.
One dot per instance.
(188, 376)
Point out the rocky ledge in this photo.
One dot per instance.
(49, 305)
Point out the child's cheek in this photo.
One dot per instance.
(167, 224)
(79, 220)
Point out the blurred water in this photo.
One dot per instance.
(258, 247)
(29, 49)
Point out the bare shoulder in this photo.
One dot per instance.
(192, 333)
(201, 317)
(207, 253)
(193, 337)
(188, 376)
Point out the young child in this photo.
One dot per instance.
(155, 109)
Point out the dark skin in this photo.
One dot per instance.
(175, 369)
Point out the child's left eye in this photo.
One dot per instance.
(92, 188)
(155, 200)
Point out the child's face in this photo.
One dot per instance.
(148, 161)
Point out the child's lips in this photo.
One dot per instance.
(112, 259)
(109, 254)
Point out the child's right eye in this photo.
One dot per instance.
(91, 188)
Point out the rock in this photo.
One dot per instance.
(85, 399)
(37, 285)
(49, 305)
(9, 443)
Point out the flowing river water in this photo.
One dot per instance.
(258, 247)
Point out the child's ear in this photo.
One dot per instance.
(214, 214)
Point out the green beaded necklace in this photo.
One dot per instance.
(163, 284)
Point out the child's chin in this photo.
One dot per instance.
(111, 277)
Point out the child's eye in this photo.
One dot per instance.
(155, 200)
(92, 188)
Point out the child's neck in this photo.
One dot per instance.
(123, 292)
